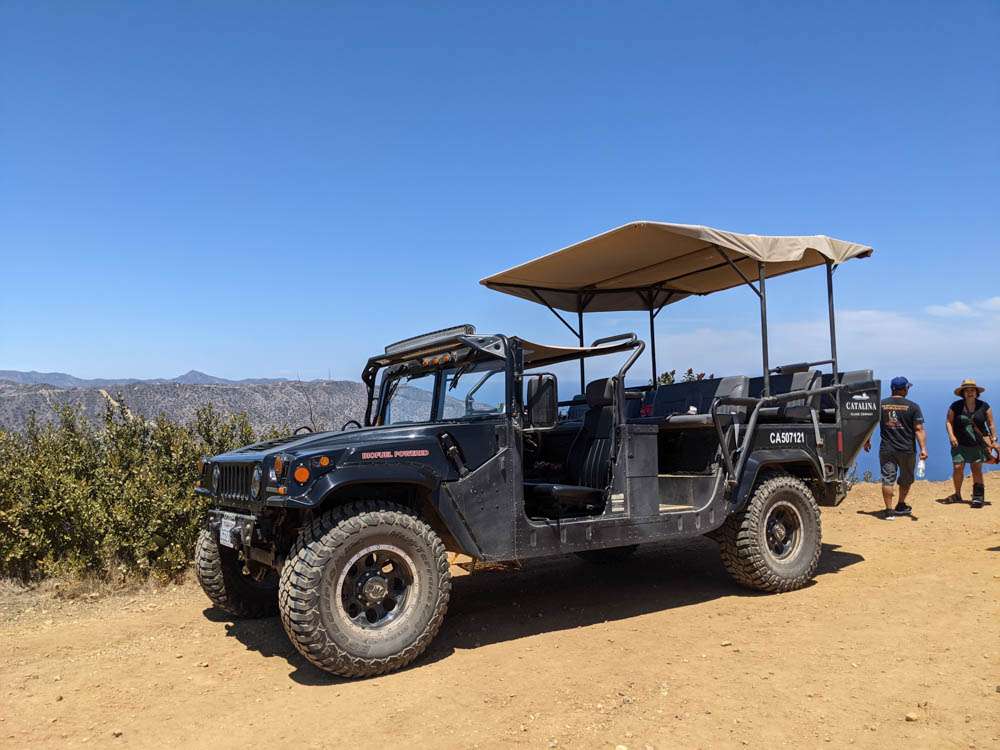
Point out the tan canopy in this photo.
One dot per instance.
(540, 355)
(645, 265)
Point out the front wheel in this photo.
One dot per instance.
(774, 543)
(242, 590)
(364, 589)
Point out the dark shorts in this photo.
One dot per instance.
(895, 463)
(969, 454)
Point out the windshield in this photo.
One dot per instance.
(479, 390)
(470, 391)
(409, 398)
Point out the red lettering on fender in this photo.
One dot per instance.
(394, 454)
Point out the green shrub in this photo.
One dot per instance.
(115, 501)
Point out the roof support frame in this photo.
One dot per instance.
(660, 260)
(574, 331)
(763, 328)
(737, 269)
(649, 299)
(648, 295)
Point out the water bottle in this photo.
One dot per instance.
(921, 468)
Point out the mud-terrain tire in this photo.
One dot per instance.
(774, 543)
(609, 555)
(364, 589)
(220, 573)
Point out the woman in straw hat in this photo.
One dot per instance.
(973, 436)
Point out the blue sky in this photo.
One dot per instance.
(268, 190)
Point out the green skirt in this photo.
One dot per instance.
(969, 454)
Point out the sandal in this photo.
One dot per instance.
(951, 499)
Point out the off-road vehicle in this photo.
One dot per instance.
(464, 449)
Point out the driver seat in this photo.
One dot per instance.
(587, 464)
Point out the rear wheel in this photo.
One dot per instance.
(364, 589)
(774, 543)
(242, 590)
(608, 556)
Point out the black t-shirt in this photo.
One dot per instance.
(898, 424)
(962, 425)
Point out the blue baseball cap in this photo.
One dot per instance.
(900, 383)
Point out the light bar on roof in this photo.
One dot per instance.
(427, 339)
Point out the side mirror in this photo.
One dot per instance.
(542, 402)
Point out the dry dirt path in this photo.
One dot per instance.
(662, 651)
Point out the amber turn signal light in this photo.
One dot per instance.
(324, 461)
(201, 465)
(301, 475)
(279, 465)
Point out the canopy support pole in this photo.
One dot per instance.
(833, 340)
(763, 328)
(578, 334)
(736, 268)
(649, 297)
(581, 302)
(652, 341)
(833, 326)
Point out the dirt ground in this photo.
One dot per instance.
(660, 652)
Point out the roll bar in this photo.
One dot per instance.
(734, 473)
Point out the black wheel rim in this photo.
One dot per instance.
(376, 587)
(783, 530)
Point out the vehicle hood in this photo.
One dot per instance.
(323, 441)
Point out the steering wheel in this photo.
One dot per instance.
(305, 427)
(351, 421)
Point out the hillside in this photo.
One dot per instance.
(63, 380)
(267, 404)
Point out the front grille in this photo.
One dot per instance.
(234, 483)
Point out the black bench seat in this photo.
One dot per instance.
(672, 405)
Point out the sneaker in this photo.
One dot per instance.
(977, 502)
(903, 509)
(888, 515)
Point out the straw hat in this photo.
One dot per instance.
(968, 383)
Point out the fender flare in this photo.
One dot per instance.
(763, 459)
(354, 475)
(441, 503)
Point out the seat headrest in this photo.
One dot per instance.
(601, 392)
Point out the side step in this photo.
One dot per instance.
(681, 492)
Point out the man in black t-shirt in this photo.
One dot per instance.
(901, 424)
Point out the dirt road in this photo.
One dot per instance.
(662, 651)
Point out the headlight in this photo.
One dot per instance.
(255, 481)
(216, 479)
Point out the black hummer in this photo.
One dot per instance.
(464, 449)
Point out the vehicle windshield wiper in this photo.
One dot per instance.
(458, 373)
(392, 391)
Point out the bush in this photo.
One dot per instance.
(115, 501)
(670, 377)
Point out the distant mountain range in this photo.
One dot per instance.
(62, 380)
(321, 404)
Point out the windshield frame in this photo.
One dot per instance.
(393, 375)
